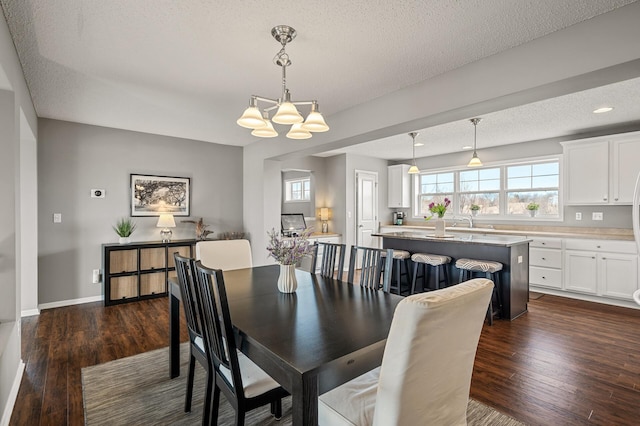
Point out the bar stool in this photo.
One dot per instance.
(400, 257)
(491, 270)
(428, 262)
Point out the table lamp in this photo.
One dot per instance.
(324, 217)
(166, 221)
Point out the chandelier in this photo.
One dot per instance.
(286, 113)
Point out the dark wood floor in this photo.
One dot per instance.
(565, 362)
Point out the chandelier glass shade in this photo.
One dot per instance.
(287, 113)
(413, 170)
(475, 161)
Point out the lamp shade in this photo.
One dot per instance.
(315, 122)
(287, 114)
(413, 170)
(475, 161)
(166, 221)
(265, 132)
(251, 118)
(298, 132)
(324, 213)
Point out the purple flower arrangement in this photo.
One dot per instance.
(441, 208)
(289, 250)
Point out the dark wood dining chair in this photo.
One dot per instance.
(245, 385)
(186, 274)
(331, 252)
(375, 269)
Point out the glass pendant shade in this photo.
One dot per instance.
(298, 132)
(315, 122)
(287, 114)
(413, 170)
(251, 118)
(265, 132)
(475, 161)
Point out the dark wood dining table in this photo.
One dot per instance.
(311, 341)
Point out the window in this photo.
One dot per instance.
(482, 188)
(533, 183)
(500, 191)
(298, 190)
(434, 188)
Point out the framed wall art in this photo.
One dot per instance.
(155, 195)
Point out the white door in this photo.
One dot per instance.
(366, 208)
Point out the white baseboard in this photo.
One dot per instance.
(585, 297)
(70, 302)
(13, 395)
(30, 312)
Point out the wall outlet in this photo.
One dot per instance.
(597, 216)
(578, 216)
(57, 218)
(96, 276)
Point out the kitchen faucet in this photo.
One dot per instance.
(467, 218)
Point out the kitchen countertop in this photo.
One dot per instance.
(531, 231)
(457, 237)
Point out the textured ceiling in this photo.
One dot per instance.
(187, 68)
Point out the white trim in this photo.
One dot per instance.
(70, 302)
(585, 297)
(13, 395)
(30, 312)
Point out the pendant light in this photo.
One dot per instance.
(475, 161)
(413, 170)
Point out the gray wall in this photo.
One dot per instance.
(75, 158)
(307, 208)
(17, 120)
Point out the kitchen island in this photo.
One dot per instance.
(510, 250)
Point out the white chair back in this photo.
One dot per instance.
(426, 370)
(224, 254)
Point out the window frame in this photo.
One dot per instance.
(502, 192)
(287, 190)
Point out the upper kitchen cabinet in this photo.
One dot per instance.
(399, 187)
(601, 170)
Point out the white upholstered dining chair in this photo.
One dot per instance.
(425, 377)
(224, 254)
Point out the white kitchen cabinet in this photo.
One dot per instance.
(545, 262)
(625, 155)
(602, 267)
(601, 170)
(581, 271)
(586, 168)
(399, 186)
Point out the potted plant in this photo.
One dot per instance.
(533, 208)
(474, 209)
(288, 251)
(124, 228)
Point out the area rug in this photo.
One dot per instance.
(137, 391)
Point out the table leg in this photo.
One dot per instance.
(305, 401)
(174, 336)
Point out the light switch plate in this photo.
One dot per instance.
(597, 216)
(57, 218)
(578, 216)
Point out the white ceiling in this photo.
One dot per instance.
(188, 68)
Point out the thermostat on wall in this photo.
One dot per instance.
(97, 193)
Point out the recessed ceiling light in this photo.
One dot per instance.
(418, 144)
(467, 147)
(602, 110)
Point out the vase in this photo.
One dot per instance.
(474, 212)
(533, 213)
(124, 240)
(287, 282)
(439, 224)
